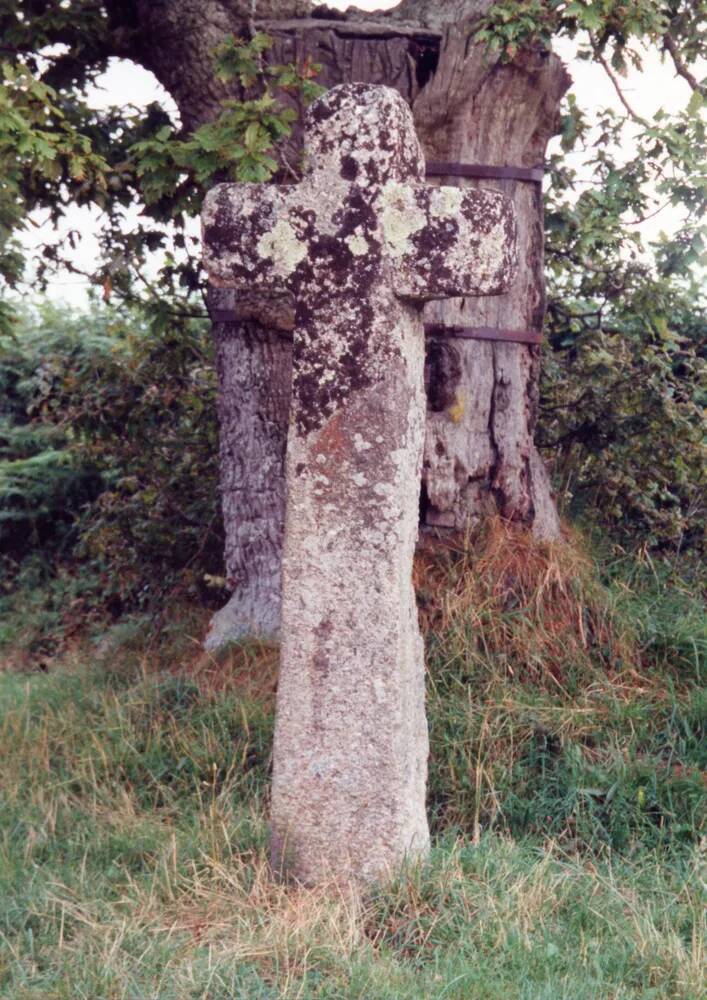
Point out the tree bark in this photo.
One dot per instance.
(254, 367)
(480, 456)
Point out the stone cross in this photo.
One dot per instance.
(359, 245)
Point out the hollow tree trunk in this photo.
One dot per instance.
(480, 455)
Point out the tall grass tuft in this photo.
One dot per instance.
(536, 612)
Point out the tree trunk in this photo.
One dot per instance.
(480, 456)
(254, 367)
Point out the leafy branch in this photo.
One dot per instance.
(242, 142)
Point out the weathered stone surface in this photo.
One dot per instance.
(360, 244)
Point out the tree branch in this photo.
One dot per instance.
(617, 86)
(680, 66)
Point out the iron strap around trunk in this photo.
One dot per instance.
(224, 315)
(483, 333)
(232, 315)
(481, 171)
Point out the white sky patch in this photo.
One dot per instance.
(124, 83)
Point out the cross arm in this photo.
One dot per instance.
(445, 241)
(248, 241)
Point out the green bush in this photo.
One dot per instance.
(622, 415)
(44, 484)
(108, 457)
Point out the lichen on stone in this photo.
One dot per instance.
(357, 244)
(447, 200)
(282, 245)
(400, 218)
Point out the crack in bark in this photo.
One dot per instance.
(493, 489)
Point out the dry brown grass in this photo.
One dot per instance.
(250, 669)
(533, 606)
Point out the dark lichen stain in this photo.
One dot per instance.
(320, 663)
(322, 110)
(357, 213)
(349, 168)
(226, 232)
(434, 243)
(320, 666)
(220, 234)
(332, 280)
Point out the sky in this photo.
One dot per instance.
(655, 87)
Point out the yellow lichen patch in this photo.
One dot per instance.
(456, 411)
(401, 218)
(447, 201)
(283, 247)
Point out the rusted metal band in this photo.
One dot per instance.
(225, 314)
(481, 171)
(483, 333)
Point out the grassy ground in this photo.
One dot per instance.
(566, 794)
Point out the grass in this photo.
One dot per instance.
(566, 796)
